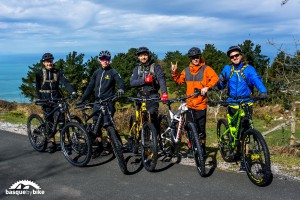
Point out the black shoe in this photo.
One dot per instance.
(51, 147)
(242, 167)
(99, 149)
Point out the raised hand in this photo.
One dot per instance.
(174, 66)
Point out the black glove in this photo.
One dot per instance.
(263, 95)
(223, 79)
(74, 95)
(120, 93)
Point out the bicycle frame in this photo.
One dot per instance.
(103, 111)
(61, 106)
(141, 114)
(235, 131)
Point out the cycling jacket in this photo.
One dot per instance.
(196, 77)
(103, 83)
(238, 87)
(148, 89)
(48, 81)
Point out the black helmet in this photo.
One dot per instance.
(194, 51)
(103, 54)
(142, 50)
(233, 48)
(47, 56)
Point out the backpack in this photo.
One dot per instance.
(237, 71)
(45, 77)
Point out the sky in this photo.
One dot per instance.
(89, 26)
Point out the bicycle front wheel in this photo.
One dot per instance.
(149, 146)
(117, 148)
(256, 157)
(76, 144)
(36, 130)
(197, 148)
(224, 141)
(165, 137)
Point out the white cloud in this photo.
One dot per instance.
(120, 24)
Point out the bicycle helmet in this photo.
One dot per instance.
(233, 48)
(47, 56)
(142, 50)
(194, 51)
(105, 54)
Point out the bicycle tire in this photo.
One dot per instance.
(36, 131)
(149, 146)
(117, 148)
(224, 143)
(134, 140)
(165, 139)
(76, 144)
(197, 149)
(256, 157)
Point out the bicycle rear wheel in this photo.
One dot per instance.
(76, 144)
(165, 137)
(256, 157)
(117, 148)
(36, 130)
(149, 146)
(197, 148)
(224, 141)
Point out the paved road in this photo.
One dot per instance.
(103, 179)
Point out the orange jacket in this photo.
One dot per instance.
(192, 76)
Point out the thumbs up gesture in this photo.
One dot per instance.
(174, 66)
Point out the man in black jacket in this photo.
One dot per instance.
(48, 80)
(148, 77)
(103, 83)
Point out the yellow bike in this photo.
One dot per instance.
(143, 134)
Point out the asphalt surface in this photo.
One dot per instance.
(102, 179)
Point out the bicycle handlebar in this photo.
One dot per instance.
(101, 101)
(52, 100)
(240, 101)
(139, 99)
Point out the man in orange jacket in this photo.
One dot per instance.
(196, 76)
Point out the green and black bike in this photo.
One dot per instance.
(237, 139)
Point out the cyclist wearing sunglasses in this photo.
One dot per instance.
(241, 79)
(196, 76)
(103, 83)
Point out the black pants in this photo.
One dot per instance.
(199, 118)
(50, 118)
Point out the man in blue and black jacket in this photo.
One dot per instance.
(241, 79)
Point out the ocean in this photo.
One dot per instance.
(12, 69)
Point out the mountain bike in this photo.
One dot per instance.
(171, 128)
(106, 121)
(143, 133)
(40, 129)
(236, 142)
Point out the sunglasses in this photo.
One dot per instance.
(234, 56)
(195, 57)
(104, 59)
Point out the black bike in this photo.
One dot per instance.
(39, 130)
(106, 121)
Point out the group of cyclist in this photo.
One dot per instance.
(148, 77)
